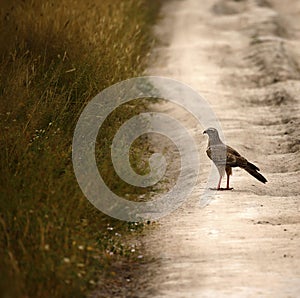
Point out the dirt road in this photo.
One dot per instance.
(243, 57)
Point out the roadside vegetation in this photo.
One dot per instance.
(55, 56)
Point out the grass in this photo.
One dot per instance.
(55, 56)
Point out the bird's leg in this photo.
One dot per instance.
(227, 185)
(219, 184)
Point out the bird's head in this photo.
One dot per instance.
(211, 132)
(213, 135)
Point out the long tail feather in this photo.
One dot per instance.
(253, 171)
(251, 165)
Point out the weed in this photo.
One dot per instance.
(55, 56)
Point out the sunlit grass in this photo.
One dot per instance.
(54, 57)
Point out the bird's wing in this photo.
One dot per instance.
(224, 155)
(230, 150)
(234, 159)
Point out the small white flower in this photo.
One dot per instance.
(66, 260)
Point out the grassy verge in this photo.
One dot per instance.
(54, 57)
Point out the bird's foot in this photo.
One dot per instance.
(221, 188)
(228, 188)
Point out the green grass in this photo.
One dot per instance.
(55, 56)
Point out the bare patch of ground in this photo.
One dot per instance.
(241, 56)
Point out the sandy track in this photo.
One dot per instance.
(242, 57)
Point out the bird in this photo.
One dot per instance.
(225, 158)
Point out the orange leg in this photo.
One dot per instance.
(227, 185)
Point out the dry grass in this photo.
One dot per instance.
(54, 57)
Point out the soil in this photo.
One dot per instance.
(243, 57)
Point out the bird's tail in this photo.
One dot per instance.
(253, 170)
